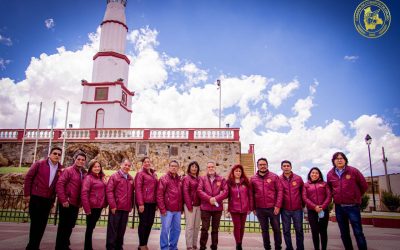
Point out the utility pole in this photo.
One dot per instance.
(385, 160)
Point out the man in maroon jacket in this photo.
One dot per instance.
(69, 196)
(39, 192)
(292, 206)
(267, 196)
(170, 203)
(212, 191)
(120, 188)
(348, 186)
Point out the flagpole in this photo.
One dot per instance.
(23, 136)
(64, 134)
(37, 132)
(220, 90)
(52, 127)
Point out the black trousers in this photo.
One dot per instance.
(207, 218)
(146, 221)
(68, 216)
(91, 221)
(116, 229)
(39, 209)
(319, 228)
(266, 216)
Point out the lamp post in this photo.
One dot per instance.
(368, 141)
(220, 89)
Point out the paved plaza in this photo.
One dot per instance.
(15, 236)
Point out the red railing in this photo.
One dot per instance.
(180, 134)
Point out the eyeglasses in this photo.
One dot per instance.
(55, 153)
(339, 159)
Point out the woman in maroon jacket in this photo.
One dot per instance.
(239, 201)
(93, 197)
(317, 196)
(192, 205)
(146, 191)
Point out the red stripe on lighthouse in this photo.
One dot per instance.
(113, 54)
(115, 21)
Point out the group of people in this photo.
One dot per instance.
(269, 196)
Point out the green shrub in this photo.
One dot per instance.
(391, 201)
(364, 202)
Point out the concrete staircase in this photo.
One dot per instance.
(247, 161)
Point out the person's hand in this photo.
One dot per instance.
(27, 199)
(276, 210)
(65, 204)
(318, 209)
(113, 210)
(141, 209)
(212, 200)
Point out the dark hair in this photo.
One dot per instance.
(144, 158)
(55, 148)
(335, 155)
(286, 161)
(196, 164)
(169, 164)
(262, 159)
(231, 176)
(79, 153)
(91, 165)
(319, 171)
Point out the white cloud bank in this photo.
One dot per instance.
(160, 102)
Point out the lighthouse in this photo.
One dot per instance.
(106, 100)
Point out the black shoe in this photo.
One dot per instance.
(239, 246)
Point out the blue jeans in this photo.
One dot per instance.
(297, 217)
(344, 214)
(170, 230)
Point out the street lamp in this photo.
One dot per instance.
(220, 90)
(368, 141)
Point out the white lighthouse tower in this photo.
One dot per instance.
(106, 101)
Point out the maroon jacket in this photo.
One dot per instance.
(239, 197)
(292, 189)
(206, 190)
(119, 191)
(169, 194)
(69, 185)
(93, 193)
(349, 188)
(267, 190)
(317, 194)
(37, 180)
(146, 187)
(190, 185)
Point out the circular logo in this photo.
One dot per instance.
(372, 18)
(294, 183)
(348, 177)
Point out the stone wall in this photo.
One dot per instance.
(225, 154)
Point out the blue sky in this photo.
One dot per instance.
(298, 44)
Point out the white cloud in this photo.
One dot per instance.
(280, 92)
(6, 40)
(193, 74)
(351, 58)
(49, 23)
(278, 121)
(3, 63)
